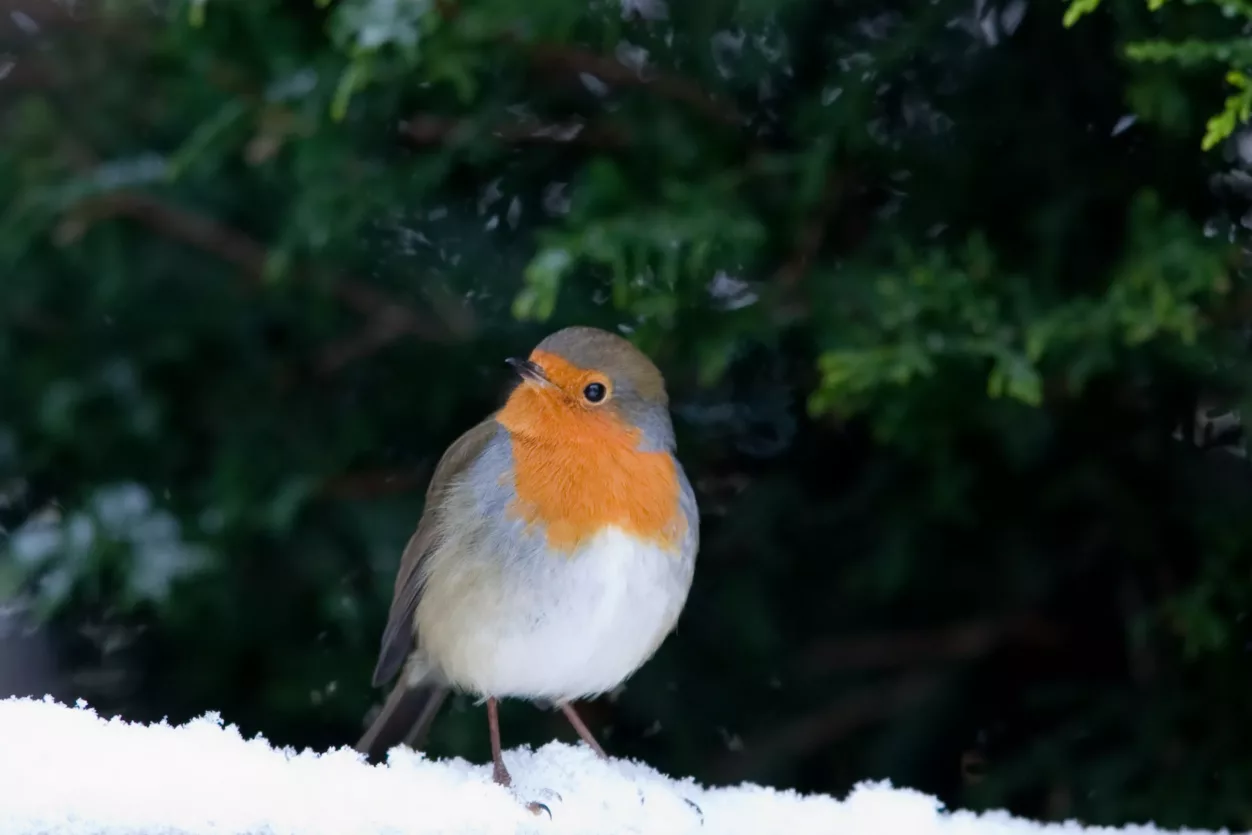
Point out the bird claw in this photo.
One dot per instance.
(535, 806)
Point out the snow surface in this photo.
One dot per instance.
(65, 771)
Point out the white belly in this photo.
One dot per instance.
(561, 627)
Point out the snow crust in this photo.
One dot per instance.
(66, 771)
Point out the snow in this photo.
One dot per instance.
(64, 771)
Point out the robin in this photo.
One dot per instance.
(555, 550)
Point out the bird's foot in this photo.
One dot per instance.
(536, 807)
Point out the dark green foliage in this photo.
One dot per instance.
(933, 293)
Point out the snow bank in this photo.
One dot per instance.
(66, 771)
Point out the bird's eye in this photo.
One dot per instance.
(594, 392)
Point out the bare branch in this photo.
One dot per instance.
(572, 60)
(387, 319)
(953, 643)
(435, 130)
(374, 483)
(195, 230)
(812, 234)
(825, 727)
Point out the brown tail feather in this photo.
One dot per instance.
(406, 717)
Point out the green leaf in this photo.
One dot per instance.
(1077, 10)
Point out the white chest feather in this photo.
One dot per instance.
(564, 627)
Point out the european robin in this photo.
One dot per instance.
(555, 549)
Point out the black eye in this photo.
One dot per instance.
(594, 392)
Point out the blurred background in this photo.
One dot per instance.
(951, 297)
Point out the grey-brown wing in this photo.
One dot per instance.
(398, 638)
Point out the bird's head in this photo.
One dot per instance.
(589, 384)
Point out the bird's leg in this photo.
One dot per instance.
(498, 772)
(582, 729)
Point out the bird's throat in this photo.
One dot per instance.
(577, 473)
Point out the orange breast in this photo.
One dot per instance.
(577, 471)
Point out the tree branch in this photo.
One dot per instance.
(812, 234)
(824, 727)
(184, 226)
(425, 129)
(566, 59)
(387, 319)
(374, 483)
(953, 643)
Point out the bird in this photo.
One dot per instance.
(555, 550)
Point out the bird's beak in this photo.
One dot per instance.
(529, 371)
